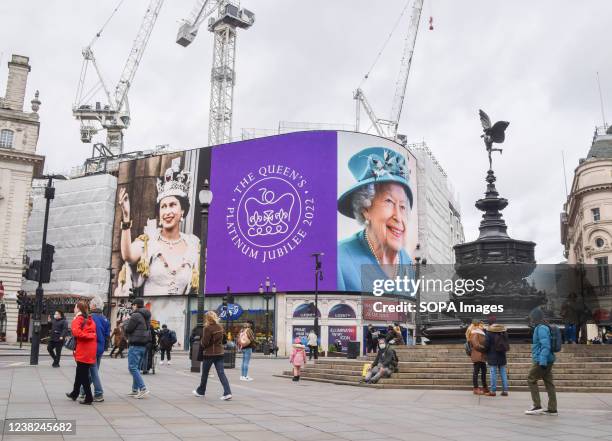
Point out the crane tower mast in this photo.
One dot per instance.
(225, 17)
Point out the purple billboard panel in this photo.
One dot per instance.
(273, 206)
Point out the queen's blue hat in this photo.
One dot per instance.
(375, 165)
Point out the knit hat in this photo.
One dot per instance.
(138, 302)
(536, 315)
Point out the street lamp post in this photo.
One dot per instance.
(267, 296)
(205, 198)
(318, 276)
(109, 295)
(418, 257)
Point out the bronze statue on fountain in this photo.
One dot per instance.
(503, 263)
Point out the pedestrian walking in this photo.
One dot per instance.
(138, 332)
(59, 330)
(477, 340)
(297, 358)
(119, 341)
(542, 358)
(84, 331)
(167, 339)
(211, 352)
(246, 342)
(313, 345)
(102, 335)
(497, 344)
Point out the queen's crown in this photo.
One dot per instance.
(269, 215)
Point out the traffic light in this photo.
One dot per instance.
(31, 273)
(47, 263)
(22, 301)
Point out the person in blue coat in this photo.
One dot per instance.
(102, 335)
(380, 201)
(542, 358)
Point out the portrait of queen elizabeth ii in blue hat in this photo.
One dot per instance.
(380, 200)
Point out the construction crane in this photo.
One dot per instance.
(114, 115)
(387, 128)
(225, 16)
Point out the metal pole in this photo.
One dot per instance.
(110, 292)
(195, 364)
(49, 194)
(267, 313)
(417, 324)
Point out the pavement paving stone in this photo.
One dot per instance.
(263, 435)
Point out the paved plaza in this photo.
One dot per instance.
(272, 408)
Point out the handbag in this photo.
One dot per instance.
(71, 342)
(468, 348)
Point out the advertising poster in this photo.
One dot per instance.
(342, 334)
(377, 206)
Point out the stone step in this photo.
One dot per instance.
(465, 364)
(468, 387)
(465, 373)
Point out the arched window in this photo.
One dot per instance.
(6, 139)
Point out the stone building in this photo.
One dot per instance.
(19, 162)
(586, 220)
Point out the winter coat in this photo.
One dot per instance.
(59, 329)
(395, 336)
(298, 355)
(478, 341)
(137, 328)
(312, 339)
(118, 338)
(541, 348)
(102, 331)
(387, 357)
(493, 335)
(84, 330)
(212, 342)
(167, 339)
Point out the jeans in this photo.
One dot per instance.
(55, 350)
(535, 373)
(376, 373)
(482, 368)
(135, 356)
(206, 365)
(94, 377)
(314, 350)
(504, 377)
(81, 379)
(246, 359)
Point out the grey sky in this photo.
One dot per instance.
(531, 63)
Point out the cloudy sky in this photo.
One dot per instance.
(531, 63)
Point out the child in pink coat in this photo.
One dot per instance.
(297, 358)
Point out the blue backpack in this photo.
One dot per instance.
(555, 338)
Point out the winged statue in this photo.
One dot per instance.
(492, 134)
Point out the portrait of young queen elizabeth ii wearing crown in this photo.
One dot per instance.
(167, 260)
(380, 201)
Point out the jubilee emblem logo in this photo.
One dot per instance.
(271, 212)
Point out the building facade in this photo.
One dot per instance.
(439, 213)
(586, 220)
(19, 130)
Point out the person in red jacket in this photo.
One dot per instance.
(84, 330)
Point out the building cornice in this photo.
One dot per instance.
(19, 117)
(11, 155)
(574, 199)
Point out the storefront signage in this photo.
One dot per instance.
(342, 311)
(306, 310)
(371, 313)
(342, 334)
(232, 312)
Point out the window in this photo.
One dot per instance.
(595, 212)
(6, 139)
(603, 271)
(599, 242)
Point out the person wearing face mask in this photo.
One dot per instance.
(380, 201)
(383, 365)
(59, 330)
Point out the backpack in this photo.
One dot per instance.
(243, 339)
(555, 338)
(501, 343)
(173, 337)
